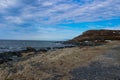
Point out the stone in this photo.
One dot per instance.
(30, 49)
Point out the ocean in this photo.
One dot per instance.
(16, 45)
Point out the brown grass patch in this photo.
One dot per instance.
(54, 63)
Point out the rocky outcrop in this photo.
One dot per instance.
(97, 36)
(29, 51)
(10, 56)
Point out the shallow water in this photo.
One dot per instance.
(16, 45)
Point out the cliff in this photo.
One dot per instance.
(97, 36)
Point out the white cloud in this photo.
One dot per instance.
(90, 12)
(60, 11)
(113, 28)
(47, 4)
(7, 3)
(64, 11)
(14, 19)
(52, 12)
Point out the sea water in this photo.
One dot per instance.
(16, 45)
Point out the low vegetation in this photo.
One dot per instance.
(59, 64)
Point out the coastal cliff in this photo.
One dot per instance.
(97, 36)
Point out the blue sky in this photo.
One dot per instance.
(56, 19)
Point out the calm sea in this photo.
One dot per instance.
(16, 45)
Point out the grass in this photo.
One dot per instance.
(54, 64)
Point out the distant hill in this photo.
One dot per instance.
(97, 36)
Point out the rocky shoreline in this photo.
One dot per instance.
(66, 63)
(12, 55)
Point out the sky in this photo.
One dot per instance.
(56, 19)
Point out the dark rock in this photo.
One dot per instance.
(29, 49)
(69, 46)
(60, 47)
(42, 50)
(1, 61)
(57, 48)
(16, 53)
(8, 56)
(48, 48)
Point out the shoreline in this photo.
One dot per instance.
(8, 56)
(66, 64)
(12, 55)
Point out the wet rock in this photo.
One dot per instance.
(10, 56)
(70, 46)
(42, 50)
(48, 48)
(4, 57)
(54, 48)
(29, 49)
(1, 61)
(16, 53)
(60, 47)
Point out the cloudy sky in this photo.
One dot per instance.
(56, 19)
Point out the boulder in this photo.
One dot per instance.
(29, 49)
(1, 61)
(42, 50)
